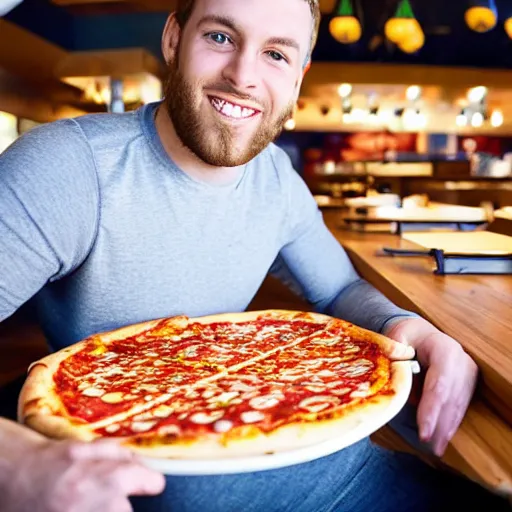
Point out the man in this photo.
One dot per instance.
(182, 207)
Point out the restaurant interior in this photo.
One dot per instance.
(402, 131)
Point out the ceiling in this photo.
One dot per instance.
(453, 58)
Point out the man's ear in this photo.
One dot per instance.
(306, 68)
(171, 38)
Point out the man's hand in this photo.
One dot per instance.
(53, 476)
(449, 383)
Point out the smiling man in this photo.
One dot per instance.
(183, 207)
(228, 92)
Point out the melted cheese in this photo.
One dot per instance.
(142, 426)
(113, 398)
(93, 392)
(222, 426)
(252, 416)
(204, 418)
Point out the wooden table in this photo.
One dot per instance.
(475, 310)
(434, 214)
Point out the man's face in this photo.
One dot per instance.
(235, 76)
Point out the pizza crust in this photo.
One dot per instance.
(271, 314)
(395, 350)
(38, 395)
(178, 322)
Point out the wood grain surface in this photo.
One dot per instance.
(475, 310)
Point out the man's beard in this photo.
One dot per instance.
(213, 142)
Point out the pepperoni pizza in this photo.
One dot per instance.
(227, 385)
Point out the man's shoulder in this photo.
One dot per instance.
(84, 128)
(109, 129)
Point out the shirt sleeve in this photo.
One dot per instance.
(49, 201)
(316, 267)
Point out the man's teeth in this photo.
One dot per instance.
(231, 110)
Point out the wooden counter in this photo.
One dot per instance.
(476, 311)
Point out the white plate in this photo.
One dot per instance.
(233, 465)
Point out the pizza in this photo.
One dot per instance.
(228, 385)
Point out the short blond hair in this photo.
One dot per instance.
(184, 10)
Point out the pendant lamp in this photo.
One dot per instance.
(345, 27)
(403, 24)
(482, 16)
(413, 43)
(508, 27)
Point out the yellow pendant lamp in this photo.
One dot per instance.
(508, 27)
(413, 43)
(482, 16)
(345, 27)
(403, 25)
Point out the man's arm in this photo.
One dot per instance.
(316, 266)
(354, 299)
(48, 214)
(48, 210)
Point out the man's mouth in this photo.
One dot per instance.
(232, 110)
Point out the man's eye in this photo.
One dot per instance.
(276, 56)
(218, 37)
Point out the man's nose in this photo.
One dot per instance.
(242, 71)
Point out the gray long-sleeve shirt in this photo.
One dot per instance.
(103, 230)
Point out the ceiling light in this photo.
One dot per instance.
(477, 120)
(414, 119)
(290, 124)
(477, 94)
(409, 115)
(496, 118)
(385, 116)
(461, 120)
(413, 92)
(344, 90)
(421, 120)
(329, 167)
(359, 115)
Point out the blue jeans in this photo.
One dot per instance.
(361, 478)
